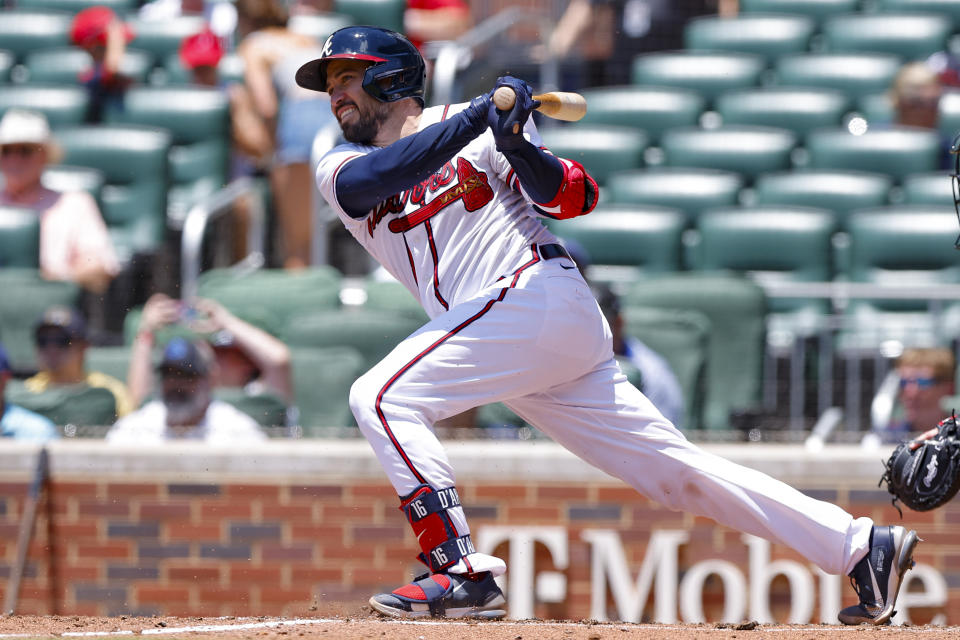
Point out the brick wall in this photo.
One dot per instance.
(298, 527)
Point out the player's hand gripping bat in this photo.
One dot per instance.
(561, 105)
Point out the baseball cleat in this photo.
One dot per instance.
(443, 595)
(877, 577)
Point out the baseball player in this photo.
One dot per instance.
(449, 200)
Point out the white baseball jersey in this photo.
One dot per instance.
(512, 324)
(456, 232)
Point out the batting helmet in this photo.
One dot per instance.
(397, 70)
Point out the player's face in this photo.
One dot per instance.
(359, 114)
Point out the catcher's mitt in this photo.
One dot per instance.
(928, 476)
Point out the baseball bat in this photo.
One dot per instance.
(27, 520)
(562, 105)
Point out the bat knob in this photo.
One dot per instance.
(504, 98)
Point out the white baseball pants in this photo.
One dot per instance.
(538, 342)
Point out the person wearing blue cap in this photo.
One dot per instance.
(15, 421)
(187, 409)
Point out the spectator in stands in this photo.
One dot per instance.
(656, 379)
(272, 54)
(74, 243)
(435, 20)
(915, 98)
(104, 36)
(187, 409)
(245, 356)
(19, 423)
(926, 377)
(60, 337)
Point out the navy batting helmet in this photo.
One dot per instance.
(397, 70)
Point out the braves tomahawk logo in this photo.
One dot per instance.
(472, 188)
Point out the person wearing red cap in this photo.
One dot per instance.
(104, 36)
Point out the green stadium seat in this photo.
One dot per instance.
(947, 8)
(816, 9)
(26, 295)
(855, 74)
(793, 108)
(120, 7)
(876, 109)
(383, 13)
(682, 337)
(134, 161)
(111, 360)
(81, 405)
(838, 190)
(19, 238)
(602, 149)
(64, 65)
(318, 25)
(322, 378)
(927, 189)
(6, 64)
(23, 31)
(736, 309)
(62, 105)
(689, 190)
(640, 240)
(61, 177)
(748, 150)
(370, 331)
(651, 109)
(896, 151)
(268, 409)
(769, 35)
(229, 70)
(948, 118)
(199, 120)
(392, 297)
(708, 73)
(910, 36)
(160, 38)
(268, 297)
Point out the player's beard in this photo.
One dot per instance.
(367, 124)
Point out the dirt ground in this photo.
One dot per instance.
(367, 626)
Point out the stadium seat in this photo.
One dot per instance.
(910, 36)
(896, 151)
(682, 337)
(267, 298)
(77, 405)
(111, 360)
(23, 31)
(6, 64)
(689, 190)
(371, 332)
(318, 25)
(651, 109)
(876, 109)
(392, 297)
(322, 378)
(927, 189)
(798, 110)
(855, 74)
(133, 160)
(736, 309)
(602, 149)
(26, 295)
(268, 409)
(816, 9)
(769, 35)
(229, 70)
(640, 240)
(838, 190)
(948, 118)
(64, 65)
(708, 73)
(948, 8)
(199, 120)
(19, 238)
(61, 177)
(748, 150)
(62, 105)
(160, 38)
(120, 7)
(383, 13)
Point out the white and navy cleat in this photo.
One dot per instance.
(877, 577)
(443, 595)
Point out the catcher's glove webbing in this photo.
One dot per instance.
(928, 476)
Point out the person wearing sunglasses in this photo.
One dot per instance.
(60, 337)
(74, 243)
(926, 377)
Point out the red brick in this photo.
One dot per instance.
(315, 574)
(115, 549)
(519, 513)
(244, 574)
(162, 595)
(378, 533)
(219, 595)
(339, 552)
(193, 574)
(511, 493)
(164, 510)
(266, 491)
(131, 490)
(381, 491)
(115, 508)
(316, 491)
(84, 489)
(289, 512)
(318, 532)
(193, 532)
(73, 573)
(231, 509)
(14, 489)
(395, 576)
(563, 492)
(345, 513)
(274, 595)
